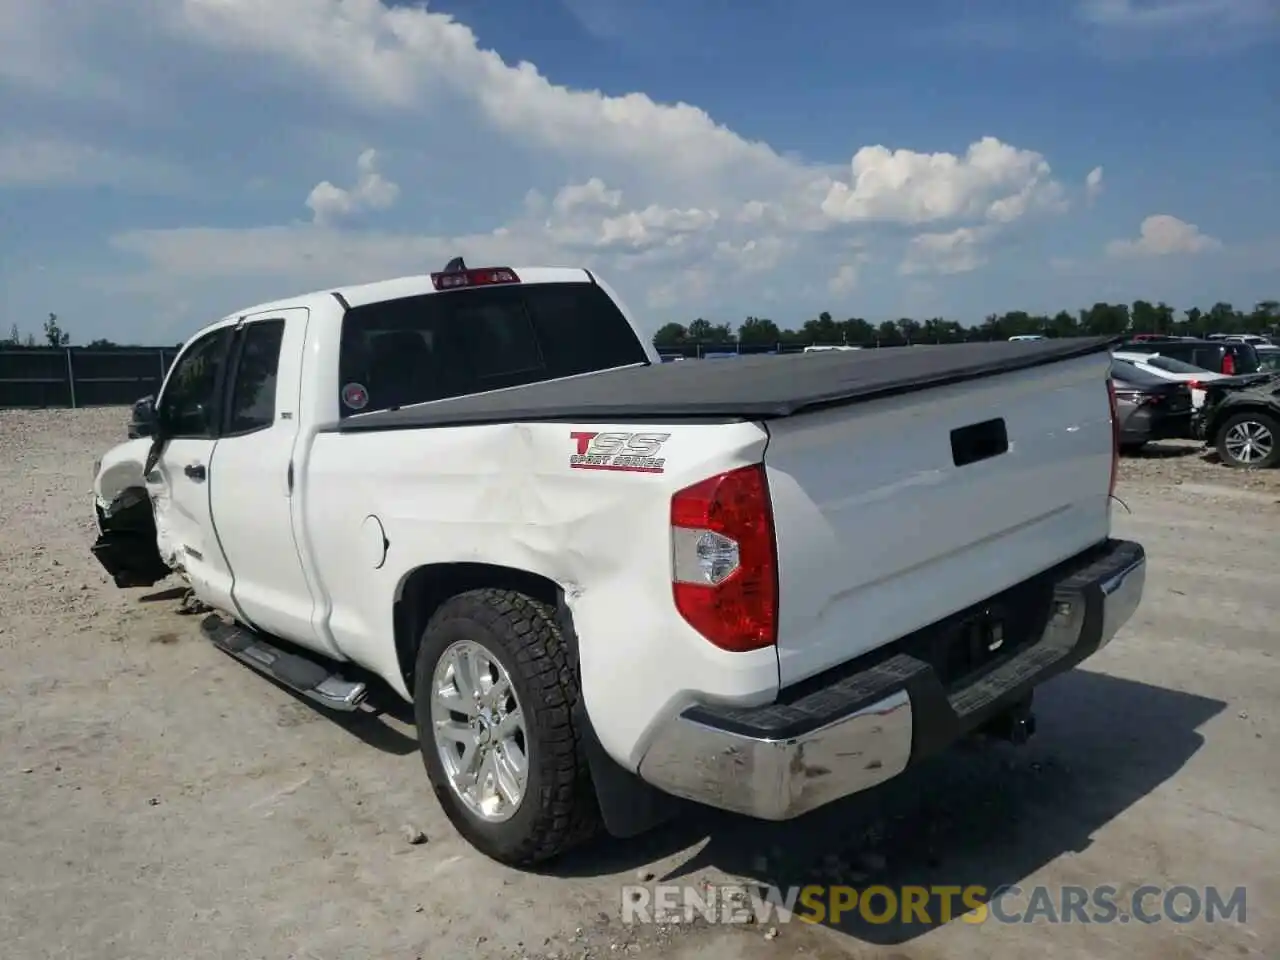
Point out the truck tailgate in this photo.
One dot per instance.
(896, 512)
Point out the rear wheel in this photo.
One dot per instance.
(1250, 438)
(495, 687)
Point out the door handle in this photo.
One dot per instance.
(196, 471)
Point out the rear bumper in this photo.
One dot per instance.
(1144, 426)
(850, 733)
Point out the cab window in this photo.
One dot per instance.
(253, 391)
(439, 345)
(189, 405)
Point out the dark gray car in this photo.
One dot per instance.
(1220, 356)
(1149, 407)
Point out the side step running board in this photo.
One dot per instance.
(306, 676)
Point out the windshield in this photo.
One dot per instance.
(1126, 371)
(1172, 365)
(438, 345)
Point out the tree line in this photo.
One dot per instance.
(54, 336)
(1102, 319)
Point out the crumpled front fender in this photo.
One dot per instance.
(120, 469)
(131, 546)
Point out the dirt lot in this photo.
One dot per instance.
(158, 801)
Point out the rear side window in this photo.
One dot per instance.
(253, 393)
(1176, 350)
(1128, 373)
(1208, 358)
(440, 345)
(1246, 356)
(1172, 365)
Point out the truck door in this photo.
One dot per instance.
(252, 479)
(178, 480)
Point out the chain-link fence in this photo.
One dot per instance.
(81, 376)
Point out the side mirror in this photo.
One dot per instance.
(144, 421)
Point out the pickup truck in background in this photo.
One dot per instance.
(610, 585)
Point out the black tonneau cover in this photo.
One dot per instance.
(750, 387)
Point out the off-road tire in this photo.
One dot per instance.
(1266, 419)
(559, 809)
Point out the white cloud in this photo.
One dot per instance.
(1162, 235)
(1133, 27)
(677, 203)
(992, 180)
(757, 255)
(590, 215)
(41, 161)
(34, 53)
(372, 191)
(405, 57)
(957, 251)
(1165, 14)
(1093, 185)
(845, 279)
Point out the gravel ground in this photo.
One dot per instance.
(1179, 462)
(159, 801)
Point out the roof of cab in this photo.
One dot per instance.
(421, 283)
(411, 286)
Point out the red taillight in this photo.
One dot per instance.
(1115, 437)
(479, 277)
(1228, 364)
(724, 563)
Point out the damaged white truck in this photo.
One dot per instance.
(609, 585)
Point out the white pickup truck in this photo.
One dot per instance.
(607, 584)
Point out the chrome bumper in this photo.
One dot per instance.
(1121, 596)
(721, 759)
(780, 779)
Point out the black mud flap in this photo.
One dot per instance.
(126, 547)
(130, 558)
(628, 805)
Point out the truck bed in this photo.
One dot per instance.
(742, 388)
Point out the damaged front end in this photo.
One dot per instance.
(126, 545)
(130, 546)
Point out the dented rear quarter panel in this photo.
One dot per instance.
(506, 495)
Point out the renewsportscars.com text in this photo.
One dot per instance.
(746, 903)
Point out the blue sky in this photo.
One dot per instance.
(165, 162)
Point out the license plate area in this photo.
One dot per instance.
(980, 643)
(972, 643)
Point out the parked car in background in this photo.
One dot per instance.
(1149, 407)
(825, 348)
(1241, 420)
(1218, 356)
(1268, 358)
(1026, 336)
(141, 418)
(1254, 338)
(1170, 369)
